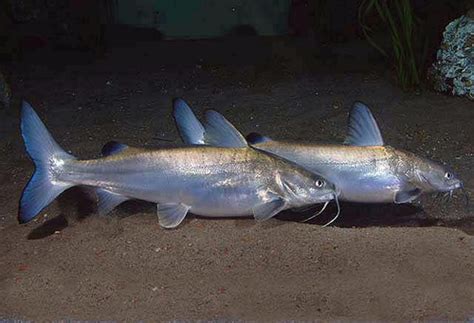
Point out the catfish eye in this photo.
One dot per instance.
(319, 183)
(448, 175)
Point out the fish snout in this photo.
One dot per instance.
(454, 186)
(334, 192)
(329, 196)
(459, 184)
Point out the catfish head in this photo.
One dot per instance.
(432, 177)
(307, 188)
(302, 187)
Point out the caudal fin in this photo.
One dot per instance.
(48, 158)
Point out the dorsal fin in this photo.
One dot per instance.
(363, 129)
(112, 148)
(216, 131)
(220, 132)
(115, 148)
(254, 138)
(189, 127)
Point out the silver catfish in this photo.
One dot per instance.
(208, 181)
(364, 169)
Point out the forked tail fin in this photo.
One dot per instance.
(48, 158)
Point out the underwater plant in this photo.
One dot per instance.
(406, 38)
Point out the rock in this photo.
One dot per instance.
(453, 70)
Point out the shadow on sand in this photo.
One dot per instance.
(75, 200)
(81, 202)
(358, 215)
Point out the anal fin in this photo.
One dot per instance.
(170, 215)
(107, 200)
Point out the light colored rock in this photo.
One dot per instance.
(453, 70)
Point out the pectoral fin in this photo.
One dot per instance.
(407, 196)
(269, 209)
(108, 200)
(170, 215)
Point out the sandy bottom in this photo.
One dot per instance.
(382, 262)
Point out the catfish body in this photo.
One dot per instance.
(370, 174)
(210, 181)
(363, 169)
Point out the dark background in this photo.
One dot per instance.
(92, 80)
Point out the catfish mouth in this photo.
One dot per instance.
(447, 194)
(447, 188)
(457, 185)
(328, 197)
(453, 187)
(332, 196)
